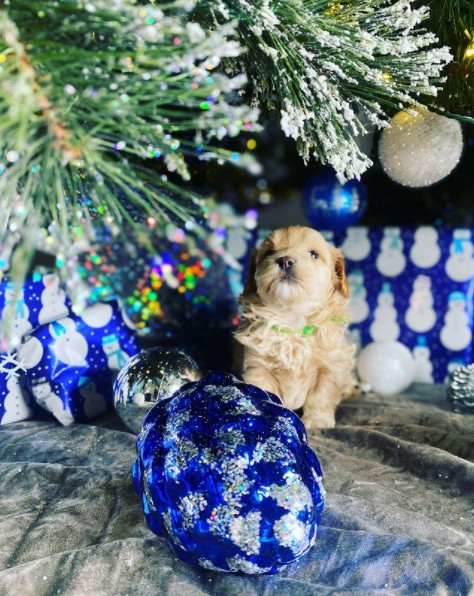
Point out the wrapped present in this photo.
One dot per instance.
(414, 286)
(70, 364)
(16, 402)
(41, 300)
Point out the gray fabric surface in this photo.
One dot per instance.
(399, 517)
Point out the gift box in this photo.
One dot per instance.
(415, 286)
(70, 364)
(41, 300)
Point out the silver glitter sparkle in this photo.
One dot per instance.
(273, 450)
(208, 565)
(245, 532)
(286, 427)
(240, 403)
(166, 516)
(240, 564)
(293, 533)
(191, 507)
(146, 488)
(294, 496)
(179, 456)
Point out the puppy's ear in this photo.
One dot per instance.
(340, 281)
(250, 284)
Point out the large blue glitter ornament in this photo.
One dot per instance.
(330, 205)
(225, 473)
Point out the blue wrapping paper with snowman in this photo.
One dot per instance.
(70, 364)
(41, 300)
(415, 286)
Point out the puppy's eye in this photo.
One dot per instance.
(314, 254)
(270, 252)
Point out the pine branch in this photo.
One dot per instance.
(100, 104)
(329, 66)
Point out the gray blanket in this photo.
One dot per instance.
(399, 517)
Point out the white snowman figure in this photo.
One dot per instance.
(358, 304)
(30, 353)
(456, 334)
(353, 337)
(51, 402)
(53, 300)
(425, 252)
(385, 326)
(94, 402)
(69, 346)
(423, 366)
(116, 357)
(356, 245)
(14, 323)
(16, 402)
(98, 315)
(460, 264)
(453, 364)
(420, 316)
(391, 261)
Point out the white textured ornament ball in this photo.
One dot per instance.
(387, 366)
(420, 148)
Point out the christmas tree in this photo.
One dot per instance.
(104, 105)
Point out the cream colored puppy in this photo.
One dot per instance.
(295, 312)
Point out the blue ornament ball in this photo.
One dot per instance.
(225, 473)
(330, 205)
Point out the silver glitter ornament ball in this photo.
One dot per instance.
(461, 390)
(149, 377)
(420, 148)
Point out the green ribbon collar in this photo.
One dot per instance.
(307, 329)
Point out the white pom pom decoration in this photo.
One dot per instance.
(387, 366)
(420, 148)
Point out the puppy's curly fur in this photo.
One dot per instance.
(295, 308)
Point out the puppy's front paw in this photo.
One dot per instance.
(319, 420)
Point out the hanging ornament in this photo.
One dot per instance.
(149, 377)
(461, 390)
(420, 148)
(330, 205)
(225, 473)
(387, 366)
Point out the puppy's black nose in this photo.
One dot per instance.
(285, 263)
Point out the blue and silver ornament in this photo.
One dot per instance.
(225, 473)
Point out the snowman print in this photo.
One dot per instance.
(385, 326)
(16, 402)
(16, 311)
(69, 346)
(358, 303)
(94, 402)
(425, 252)
(116, 357)
(53, 300)
(356, 245)
(391, 261)
(353, 337)
(456, 334)
(51, 402)
(423, 366)
(460, 264)
(420, 316)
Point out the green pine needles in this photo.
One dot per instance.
(101, 104)
(333, 68)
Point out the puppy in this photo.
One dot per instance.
(295, 309)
